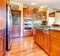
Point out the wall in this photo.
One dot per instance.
(57, 18)
(20, 8)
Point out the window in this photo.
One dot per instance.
(51, 20)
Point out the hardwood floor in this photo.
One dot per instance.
(25, 47)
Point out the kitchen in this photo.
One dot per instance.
(28, 27)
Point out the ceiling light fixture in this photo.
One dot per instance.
(43, 7)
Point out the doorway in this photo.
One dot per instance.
(16, 23)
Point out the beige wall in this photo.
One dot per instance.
(20, 8)
(57, 18)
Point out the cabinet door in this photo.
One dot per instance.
(30, 13)
(43, 15)
(38, 36)
(25, 12)
(55, 47)
(35, 14)
(35, 35)
(46, 43)
(41, 38)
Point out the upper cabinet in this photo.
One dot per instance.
(35, 14)
(52, 14)
(43, 14)
(27, 12)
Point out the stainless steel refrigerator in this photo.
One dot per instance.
(8, 28)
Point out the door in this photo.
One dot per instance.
(15, 24)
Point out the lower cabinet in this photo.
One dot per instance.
(36, 36)
(42, 39)
(50, 43)
(55, 46)
(46, 43)
(54, 43)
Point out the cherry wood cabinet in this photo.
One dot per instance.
(42, 39)
(27, 13)
(46, 42)
(35, 36)
(54, 43)
(43, 15)
(35, 14)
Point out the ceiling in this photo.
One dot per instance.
(53, 5)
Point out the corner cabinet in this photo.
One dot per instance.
(50, 43)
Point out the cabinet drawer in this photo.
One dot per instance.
(28, 33)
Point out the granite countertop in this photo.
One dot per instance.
(55, 28)
(46, 29)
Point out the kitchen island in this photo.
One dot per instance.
(48, 39)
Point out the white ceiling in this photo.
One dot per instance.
(53, 5)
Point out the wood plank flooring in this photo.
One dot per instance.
(25, 47)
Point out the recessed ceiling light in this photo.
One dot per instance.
(43, 7)
(33, 3)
